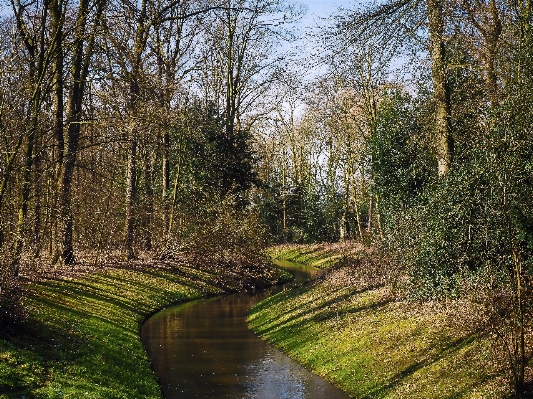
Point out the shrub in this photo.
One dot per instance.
(12, 310)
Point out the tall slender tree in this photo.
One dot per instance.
(31, 21)
(85, 36)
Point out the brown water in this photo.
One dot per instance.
(204, 349)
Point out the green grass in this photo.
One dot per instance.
(373, 346)
(82, 335)
(321, 256)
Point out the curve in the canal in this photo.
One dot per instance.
(204, 349)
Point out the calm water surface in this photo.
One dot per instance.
(204, 349)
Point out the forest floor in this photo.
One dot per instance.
(354, 330)
(80, 336)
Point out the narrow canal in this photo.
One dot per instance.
(204, 349)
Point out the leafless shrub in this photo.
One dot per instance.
(227, 241)
(492, 304)
(12, 311)
(365, 268)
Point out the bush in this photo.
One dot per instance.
(470, 234)
(12, 310)
(223, 239)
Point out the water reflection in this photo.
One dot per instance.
(204, 349)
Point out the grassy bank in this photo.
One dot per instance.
(372, 345)
(81, 336)
(321, 256)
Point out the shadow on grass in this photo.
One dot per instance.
(33, 351)
(83, 333)
(295, 323)
(308, 310)
(446, 350)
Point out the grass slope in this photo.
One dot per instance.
(321, 256)
(82, 335)
(372, 345)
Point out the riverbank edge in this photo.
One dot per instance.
(81, 334)
(369, 343)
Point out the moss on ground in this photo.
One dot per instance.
(372, 345)
(82, 335)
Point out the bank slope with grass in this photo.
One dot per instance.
(81, 334)
(357, 335)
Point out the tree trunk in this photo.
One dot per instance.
(83, 49)
(59, 140)
(36, 47)
(25, 198)
(493, 38)
(166, 178)
(139, 46)
(131, 191)
(444, 140)
(149, 201)
(370, 214)
(175, 191)
(37, 195)
(491, 32)
(342, 227)
(57, 27)
(9, 165)
(358, 218)
(65, 201)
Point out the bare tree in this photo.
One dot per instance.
(391, 26)
(85, 35)
(31, 22)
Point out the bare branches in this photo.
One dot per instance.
(387, 26)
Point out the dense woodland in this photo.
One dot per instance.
(155, 126)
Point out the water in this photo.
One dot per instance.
(204, 349)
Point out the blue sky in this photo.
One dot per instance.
(323, 8)
(318, 9)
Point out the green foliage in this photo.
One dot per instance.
(212, 161)
(309, 217)
(468, 234)
(269, 207)
(479, 214)
(401, 163)
(320, 215)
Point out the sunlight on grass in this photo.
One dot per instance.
(375, 347)
(82, 338)
(321, 256)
